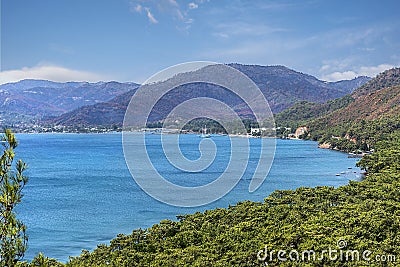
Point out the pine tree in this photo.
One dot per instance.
(13, 238)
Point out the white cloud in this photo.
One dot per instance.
(245, 29)
(278, 5)
(374, 70)
(154, 8)
(180, 15)
(193, 5)
(370, 71)
(48, 72)
(221, 35)
(138, 8)
(338, 76)
(367, 49)
(325, 67)
(151, 17)
(173, 2)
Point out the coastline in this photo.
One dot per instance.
(35, 162)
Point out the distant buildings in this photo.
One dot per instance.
(300, 131)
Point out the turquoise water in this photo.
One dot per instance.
(80, 192)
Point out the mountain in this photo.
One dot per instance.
(348, 86)
(371, 117)
(39, 98)
(284, 87)
(364, 211)
(101, 114)
(385, 79)
(378, 98)
(281, 86)
(303, 112)
(378, 104)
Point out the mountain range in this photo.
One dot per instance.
(39, 99)
(281, 86)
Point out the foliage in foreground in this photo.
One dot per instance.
(13, 240)
(366, 215)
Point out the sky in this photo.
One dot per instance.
(130, 40)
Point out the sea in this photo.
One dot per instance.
(81, 193)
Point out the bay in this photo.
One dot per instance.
(80, 192)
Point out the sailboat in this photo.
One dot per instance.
(204, 133)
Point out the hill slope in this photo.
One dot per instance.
(284, 87)
(378, 98)
(303, 112)
(281, 86)
(39, 98)
(348, 86)
(385, 79)
(369, 102)
(107, 113)
(378, 104)
(374, 113)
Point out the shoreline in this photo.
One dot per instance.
(157, 133)
(227, 203)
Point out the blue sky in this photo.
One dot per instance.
(129, 40)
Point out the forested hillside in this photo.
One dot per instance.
(361, 217)
(376, 98)
(303, 112)
(360, 222)
(386, 79)
(361, 124)
(281, 86)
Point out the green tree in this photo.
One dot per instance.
(13, 238)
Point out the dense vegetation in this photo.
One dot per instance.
(365, 214)
(355, 136)
(303, 112)
(361, 124)
(378, 104)
(13, 240)
(386, 79)
(362, 216)
(354, 225)
(355, 122)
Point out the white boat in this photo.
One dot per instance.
(204, 133)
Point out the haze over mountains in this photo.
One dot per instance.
(104, 103)
(46, 98)
(282, 87)
(39, 99)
